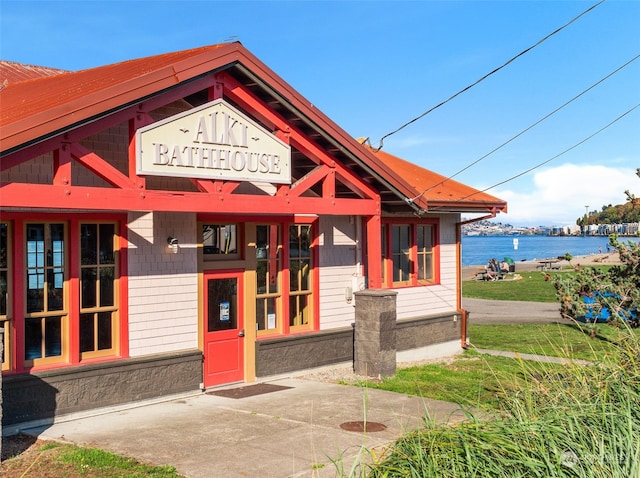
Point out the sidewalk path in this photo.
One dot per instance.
(292, 432)
(532, 357)
(483, 311)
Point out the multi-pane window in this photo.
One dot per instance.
(45, 270)
(98, 275)
(300, 266)
(401, 253)
(268, 266)
(408, 254)
(220, 241)
(5, 273)
(425, 252)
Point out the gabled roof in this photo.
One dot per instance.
(35, 110)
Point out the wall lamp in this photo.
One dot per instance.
(173, 244)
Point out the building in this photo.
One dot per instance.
(187, 220)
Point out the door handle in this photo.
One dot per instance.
(241, 333)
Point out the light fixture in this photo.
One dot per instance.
(348, 294)
(173, 244)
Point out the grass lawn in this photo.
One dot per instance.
(555, 340)
(471, 379)
(529, 286)
(475, 379)
(532, 287)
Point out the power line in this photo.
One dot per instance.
(527, 128)
(554, 157)
(486, 76)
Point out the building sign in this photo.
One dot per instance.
(214, 141)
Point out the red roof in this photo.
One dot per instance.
(12, 72)
(55, 101)
(434, 191)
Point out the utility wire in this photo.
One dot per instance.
(526, 129)
(554, 157)
(486, 76)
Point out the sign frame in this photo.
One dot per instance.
(213, 141)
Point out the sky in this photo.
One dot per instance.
(372, 66)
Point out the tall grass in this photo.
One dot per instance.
(581, 421)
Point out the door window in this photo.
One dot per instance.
(222, 304)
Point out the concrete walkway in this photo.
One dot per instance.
(532, 357)
(483, 311)
(292, 432)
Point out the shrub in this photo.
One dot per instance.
(582, 422)
(593, 294)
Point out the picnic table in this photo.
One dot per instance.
(481, 274)
(547, 264)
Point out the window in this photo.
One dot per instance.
(401, 253)
(425, 252)
(5, 274)
(408, 254)
(268, 266)
(60, 290)
(98, 277)
(300, 266)
(220, 241)
(46, 314)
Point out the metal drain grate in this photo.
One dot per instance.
(362, 426)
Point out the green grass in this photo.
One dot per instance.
(475, 379)
(471, 379)
(54, 459)
(532, 287)
(111, 465)
(554, 340)
(525, 286)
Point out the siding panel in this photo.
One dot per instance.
(338, 250)
(163, 287)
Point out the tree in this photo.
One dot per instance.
(614, 292)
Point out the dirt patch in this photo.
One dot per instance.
(26, 456)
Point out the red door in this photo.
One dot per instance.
(223, 328)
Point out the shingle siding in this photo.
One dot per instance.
(163, 287)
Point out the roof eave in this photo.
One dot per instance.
(463, 207)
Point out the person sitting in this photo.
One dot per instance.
(493, 269)
(504, 267)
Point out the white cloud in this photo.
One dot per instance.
(561, 194)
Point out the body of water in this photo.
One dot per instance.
(477, 250)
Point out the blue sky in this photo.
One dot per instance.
(372, 66)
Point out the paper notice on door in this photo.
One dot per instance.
(224, 311)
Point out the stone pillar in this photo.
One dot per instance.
(375, 333)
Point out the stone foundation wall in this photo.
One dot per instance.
(290, 354)
(431, 330)
(41, 396)
(300, 352)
